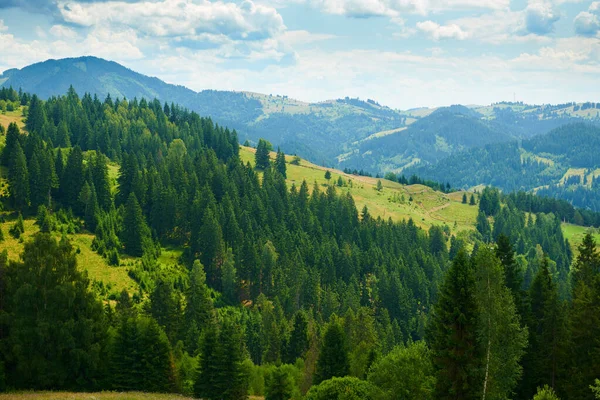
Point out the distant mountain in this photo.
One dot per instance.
(563, 163)
(343, 133)
(316, 131)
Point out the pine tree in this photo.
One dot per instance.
(501, 339)
(49, 302)
(165, 308)
(333, 357)
(280, 163)
(464, 198)
(483, 227)
(262, 155)
(585, 320)
(135, 233)
(298, 342)
(205, 386)
(101, 181)
(212, 248)
(13, 137)
(545, 357)
(279, 385)
(472, 200)
(18, 179)
(229, 278)
(452, 334)
(327, 175)
(199, 311)
(63, 137)
(513, 276)
(73, 179)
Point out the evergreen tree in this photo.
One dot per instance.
(165, 308)
(229, 279)
(483, 227)
(500, 337)
(212, 249)
(13, 137)
(545, 357)
(63, 137)
(472, 200)
(101, 181)
(199, 311)
(585, 320)
(135, 233)
(453, 334)
(298, 343)
(327, 175)
(262, 155)
(513, 276)
(73, 179)
(18, 179)
(464, 198)
(280, 163)
(141, 357)
(279, 385)
(49, 303)
(333, 357)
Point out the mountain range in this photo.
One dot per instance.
(548, 149)
(345, 133)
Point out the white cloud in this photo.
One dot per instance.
(3, 27)
(61, 31)
(587, 23)
(181, 18)
(437, 31)
(540, 17)
(395, 8)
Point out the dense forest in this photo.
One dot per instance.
(286, 292)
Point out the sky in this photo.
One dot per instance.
(401, 53)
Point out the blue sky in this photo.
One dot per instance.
(402, 53)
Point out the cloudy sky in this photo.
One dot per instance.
(402, 53)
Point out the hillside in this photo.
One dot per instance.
(562, 163)
(338, 133)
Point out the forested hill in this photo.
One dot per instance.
(563, 163)
(345, 133)
(287, 291)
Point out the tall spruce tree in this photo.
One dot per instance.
(452, 334)
(333, 357)
(280, 163)
(135, 234)
(57, 329)
(18, 179)
(262, 155)
(500, 336)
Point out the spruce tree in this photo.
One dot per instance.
(513, 276)
(472, 200)
(280, 163)
(262, 159)
(464, 198)
(73, 179)
(500, 336)
(298, 342)
(18, 179)
(452, 334)
(134, 233)
(333, 357)
(279, 385)
(212, 248)
(13, 137)
(49, 302)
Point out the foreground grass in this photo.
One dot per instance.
(90, 396)
(96, 396)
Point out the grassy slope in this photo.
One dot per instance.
(428, 207)
(575, 234)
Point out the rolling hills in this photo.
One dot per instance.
(342, 133)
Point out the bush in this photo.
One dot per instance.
(347, 388)
(545, 393)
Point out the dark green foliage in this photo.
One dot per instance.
(279, 385)
(165, 308)
(347, 388)
(405, 373)
(328, 175)
(57, 326)
(262, 155)
(73, 179)
(45, 220)
(13, 137)
(280, 163)
(483, 226)
(135, 234)
(333, 357)
(298, 342)
(140, 357)
(513, 276)
(18, 179)
(452, 334)
(472, 200)
(545, 360)
(585, 320)
(222, 373)
(464, 198)
(18, 228)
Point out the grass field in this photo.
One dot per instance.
(427, 208)
(12, 116)
(96, 396)
(575, 234)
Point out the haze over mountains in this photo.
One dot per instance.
(442, 144)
